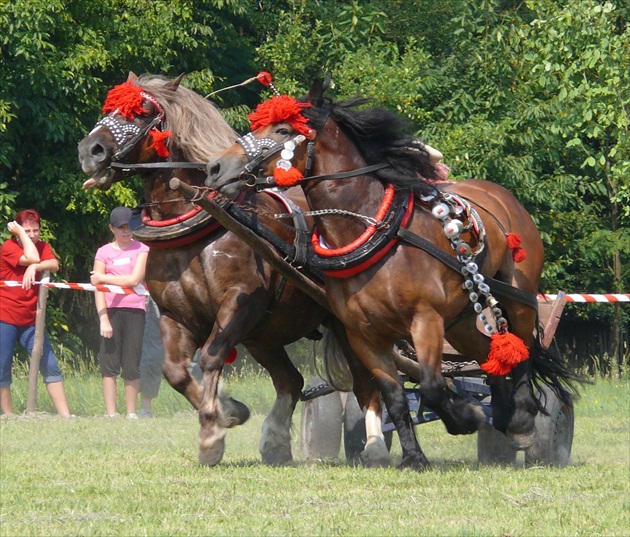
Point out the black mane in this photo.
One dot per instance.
(380, 136)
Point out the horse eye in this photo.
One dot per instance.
(283, 131)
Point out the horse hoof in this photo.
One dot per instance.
(277, 457)
(211, 449)
(375, 454)
(522, 441)
(522, 429)
(418, 464)
(232, 413)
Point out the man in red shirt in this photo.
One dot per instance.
(21, 258)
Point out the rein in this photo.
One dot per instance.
(158, 165)
(269, 181)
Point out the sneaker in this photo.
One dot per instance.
(145, 414)
(113, 416)
(132, 416)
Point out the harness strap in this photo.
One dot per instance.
(267, 181)
(301, 228)
(498, 287)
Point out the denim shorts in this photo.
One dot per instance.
(11, 334)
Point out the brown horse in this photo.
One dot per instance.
(213, 291)
(407, 256)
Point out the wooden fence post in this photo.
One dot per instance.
(38, 344)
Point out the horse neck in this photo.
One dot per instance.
(361, 194)
(162, 202)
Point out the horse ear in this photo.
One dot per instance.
(316, 93)
(174, 84)
(132, 77)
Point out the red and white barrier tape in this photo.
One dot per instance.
(139, 289)
(584, 298)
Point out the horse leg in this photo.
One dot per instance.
(377, 358)
(179, 348)
(521, 427)
(211, 433)
(457, 413)
(275, 442)
(375, 454)
(216, 412)
(512, 402)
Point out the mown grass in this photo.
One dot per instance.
(96, 476)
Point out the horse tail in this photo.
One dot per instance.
(551, 369)
(338, 373)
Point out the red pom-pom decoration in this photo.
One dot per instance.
(264, 78)
(513, 240)
(519, 254)
(159, 138)
(506, 351)
(231, 357)
(287, 178)
(514, 243)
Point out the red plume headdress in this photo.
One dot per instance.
(279, 109)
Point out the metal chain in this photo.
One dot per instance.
(370, 221)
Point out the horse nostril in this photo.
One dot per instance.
(98, 152)
(213, 170)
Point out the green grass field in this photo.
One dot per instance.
(96, 476)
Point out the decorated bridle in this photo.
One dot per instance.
(127, 101)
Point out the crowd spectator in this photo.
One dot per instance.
(22, 258)
(151, 360)
(121, 316)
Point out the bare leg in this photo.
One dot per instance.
(58, 396)
(109, 394)
(5, 400)
(132, 388)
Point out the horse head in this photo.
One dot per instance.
(132, 130)
(151, 119)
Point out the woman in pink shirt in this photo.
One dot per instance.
(120, 262)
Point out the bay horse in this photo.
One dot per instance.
(409, 257)
(212, 290)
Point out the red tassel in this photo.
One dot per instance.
(290, 177)
(514, 243)
(231, 357)
(519, 254)
(158, 142)
(513, 240)
(506, 351)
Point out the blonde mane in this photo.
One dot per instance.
(196, 125)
